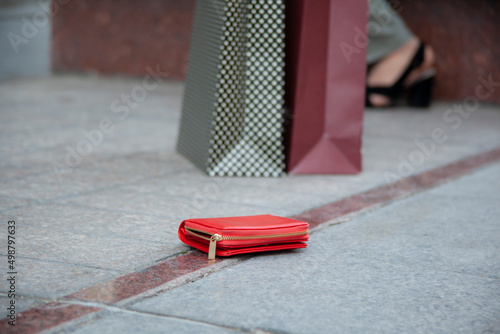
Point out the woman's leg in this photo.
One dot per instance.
(387, 31)
(391, 47)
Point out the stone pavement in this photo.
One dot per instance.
(97, 192)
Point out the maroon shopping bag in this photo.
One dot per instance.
(325, 85)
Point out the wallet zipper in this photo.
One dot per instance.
(214, 238)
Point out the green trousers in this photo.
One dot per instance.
(386, 31)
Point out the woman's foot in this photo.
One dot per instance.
(387, 71)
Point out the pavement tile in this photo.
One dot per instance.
(453, 227)
(111, 241)
(411, 124)
(417, 265)
(199, 192)
(8, 202)
(119, 210)
(485, 187)
(18, 169)
(99, 223)
(313, 292)
(493, 328)
(132, 322)
(32, 140)
(47, 186)
(188, 194)
(53, 279)
(106, 172)
(391, 135)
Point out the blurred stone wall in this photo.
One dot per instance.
(122, 36)
(465, 35)
(126, 36)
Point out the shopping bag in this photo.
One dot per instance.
(325, 85)
(232, 120)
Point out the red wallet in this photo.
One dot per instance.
(238, 235)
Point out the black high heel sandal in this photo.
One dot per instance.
(418, 93)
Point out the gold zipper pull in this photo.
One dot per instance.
(213, 245)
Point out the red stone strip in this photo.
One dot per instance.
(398, 189)
(130, 285)
(121, 288)
(44, 317)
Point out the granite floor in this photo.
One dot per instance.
(87, 224)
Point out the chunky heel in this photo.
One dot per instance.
(420, 92)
